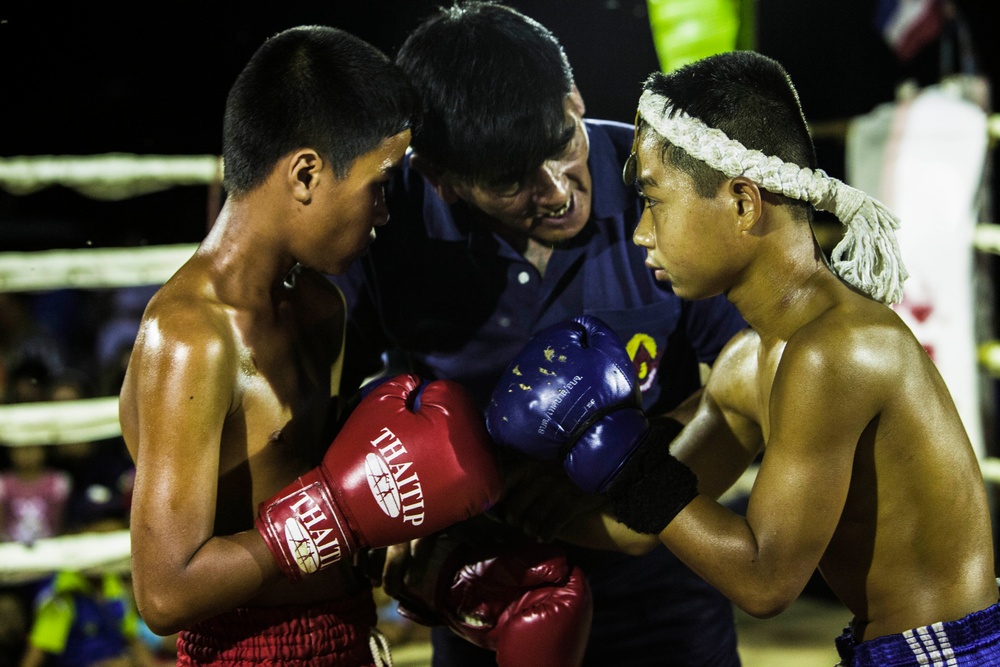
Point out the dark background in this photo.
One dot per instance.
(154, 81)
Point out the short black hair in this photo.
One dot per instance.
(312, 86)
(493, 85)
(748, 96)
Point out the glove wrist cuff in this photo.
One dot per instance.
(303, 527)
(653, 486)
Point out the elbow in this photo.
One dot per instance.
(766, 601)
(162, 613)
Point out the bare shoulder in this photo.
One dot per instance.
(853, 336)
(180, 319)
(743, 344)
(186, 340)
(735, 367)
(861, 347)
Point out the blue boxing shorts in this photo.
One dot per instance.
(325, 634)
(972, 641)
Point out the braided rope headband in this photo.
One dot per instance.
(868, 255)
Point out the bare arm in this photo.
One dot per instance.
(718, 445)
(823, 396)
(182, 386)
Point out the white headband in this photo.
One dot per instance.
(867, 257)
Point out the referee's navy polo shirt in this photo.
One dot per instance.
(458, 302)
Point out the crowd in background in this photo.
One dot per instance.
(57, 346)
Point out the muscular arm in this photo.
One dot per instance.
(718, 445)
(180, 390)
(824, 394)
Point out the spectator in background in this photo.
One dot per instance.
(86, 620)
(102, 483)
(29, 380)
(101, 471)
(33, 493)
(24, 343)
(33, 496)
(13, 628)
(67, 318)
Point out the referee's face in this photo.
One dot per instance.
(553, 203)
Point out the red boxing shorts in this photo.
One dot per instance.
(326, 634)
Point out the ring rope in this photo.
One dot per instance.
(96, 552)
(89, 268)
(59, 422)
(111, 176)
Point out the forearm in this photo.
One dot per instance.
(722, 548)
(599, 530)
(223, 573)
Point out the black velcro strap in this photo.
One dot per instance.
(653, 486)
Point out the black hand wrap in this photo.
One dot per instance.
(653, 486)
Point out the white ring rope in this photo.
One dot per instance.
(89, 268)
(59, 422)
(99, 552)
(986, 237)
(112, 176)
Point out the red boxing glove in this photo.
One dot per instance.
(524, 601)
(409, 461)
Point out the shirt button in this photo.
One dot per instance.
(523, 277)
(505, 322)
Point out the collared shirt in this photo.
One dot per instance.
(454, 300)
(450, 299)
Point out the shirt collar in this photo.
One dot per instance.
(610, 196)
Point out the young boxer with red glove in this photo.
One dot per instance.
(234, 383)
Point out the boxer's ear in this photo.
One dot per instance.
(303, 173)
(747, 202)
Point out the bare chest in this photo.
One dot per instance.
(286, 398)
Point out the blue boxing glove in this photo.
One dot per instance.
(572, 394)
